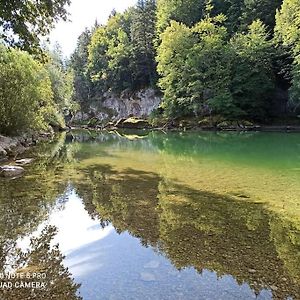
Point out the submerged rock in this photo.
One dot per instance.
(3, 153)
(251, 270)
(11, 171)
(24, 161)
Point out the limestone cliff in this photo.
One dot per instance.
(114, 107)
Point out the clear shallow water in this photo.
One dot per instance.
(154, 216)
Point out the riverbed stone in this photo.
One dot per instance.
(251, 270)
(24, 161)
(11, 171)
(3, 153)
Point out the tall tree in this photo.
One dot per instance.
(61, 78)
(188, 12)
(83, 86)
(233, 11)
(24, 22)
(110, 54)
(241, 13)
(142, 36)
(287, 32)
(252, 84)
(173, 53)
(264, 10)
(194, 66)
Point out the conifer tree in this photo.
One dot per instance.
(142, 35)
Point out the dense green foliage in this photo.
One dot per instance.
(109, 54)
(33, 94)
(201, 72)
(192, 67)
(252, 81)
(142, 31)
(117, 56)
(238, 74)
(83, 86)
(188, 12)
(235, 58)
(230, 58)
(22, 23)
(240, 13)
(26, 98)
(287, 31)
(61, 78)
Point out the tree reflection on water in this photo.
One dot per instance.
(189, 226)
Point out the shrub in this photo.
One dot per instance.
(26, 98)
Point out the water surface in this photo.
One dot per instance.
(157, 216)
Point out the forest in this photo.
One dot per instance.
(233, 58)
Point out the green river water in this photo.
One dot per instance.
(148, 215)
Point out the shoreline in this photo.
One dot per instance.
(262, 128)
(12, 147)
(216, 123)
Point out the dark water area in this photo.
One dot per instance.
(155, 216)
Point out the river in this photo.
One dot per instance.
(149, 215)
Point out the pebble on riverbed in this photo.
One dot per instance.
(24, 161)
(3, 152)
(11, 171)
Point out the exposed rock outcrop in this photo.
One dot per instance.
(113, 107)
(139, 104)
(12, 146)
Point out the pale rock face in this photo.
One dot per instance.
(81, 116)
(139, 104)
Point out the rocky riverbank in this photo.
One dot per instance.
(13, 146)
(207, 124)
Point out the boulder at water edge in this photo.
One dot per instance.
(11, 171)
(133, 123)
